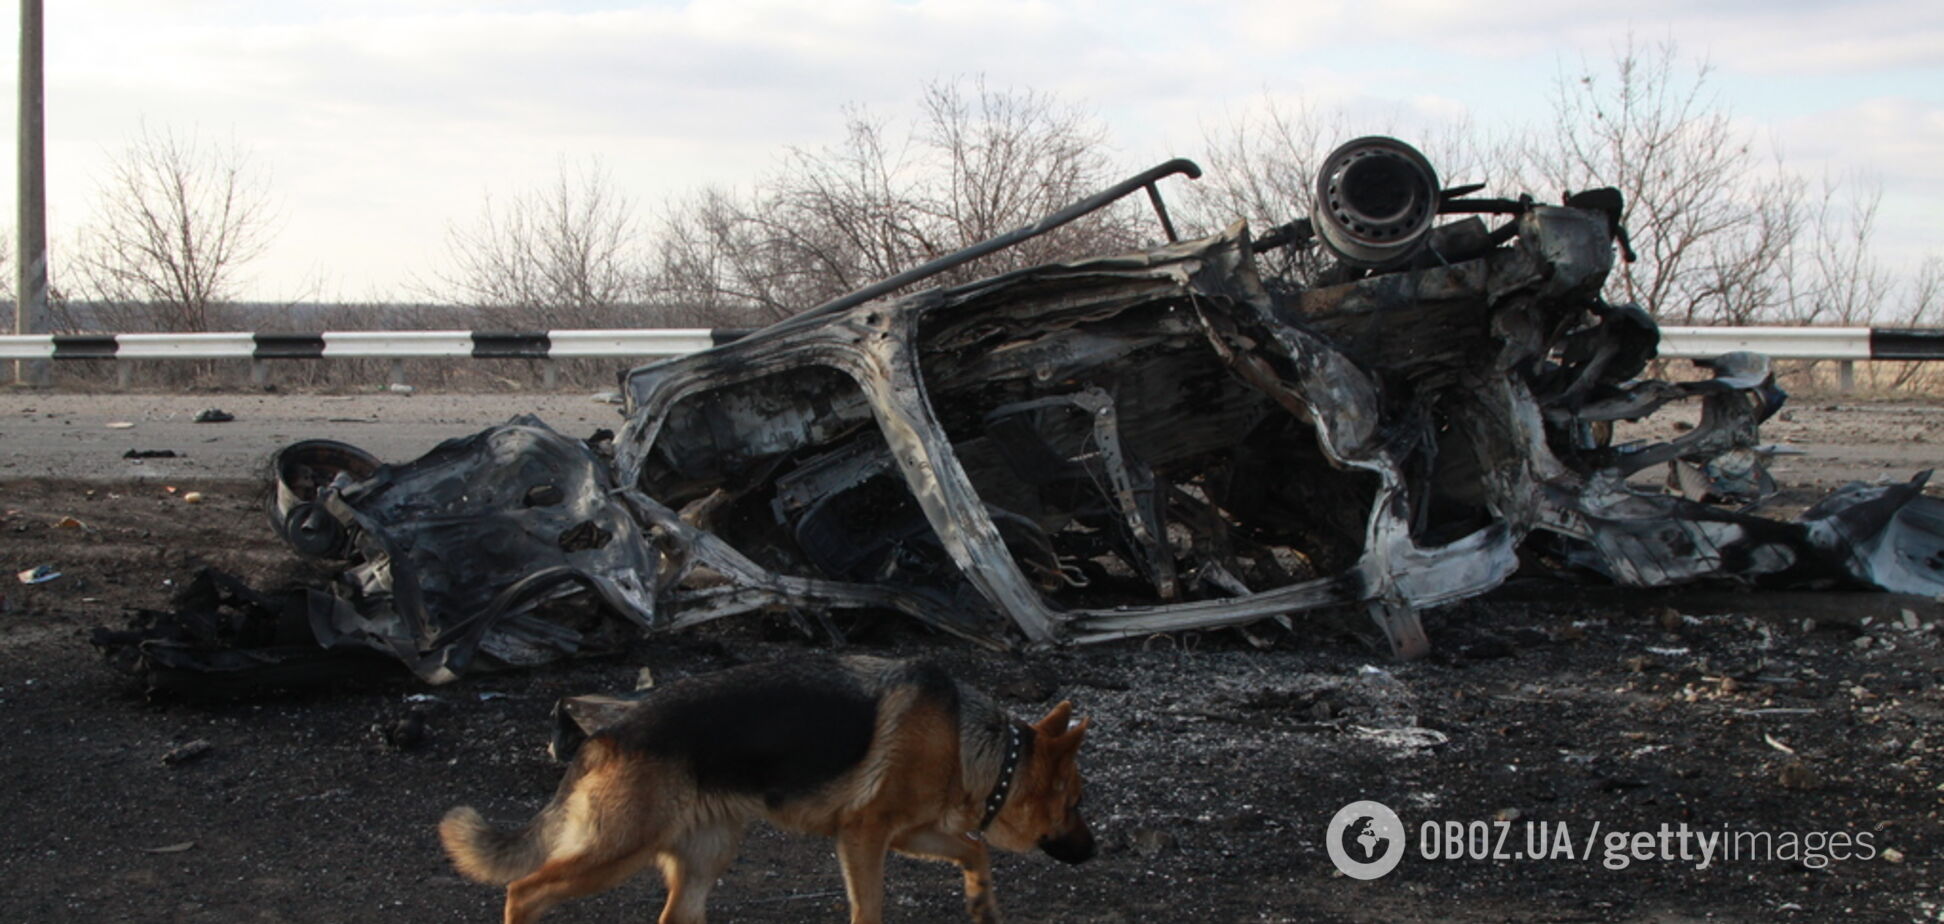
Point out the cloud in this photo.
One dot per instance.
(383, 121)
(1792, 37)
(1899, 139)
(1895, 141)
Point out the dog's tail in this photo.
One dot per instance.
(487, 854)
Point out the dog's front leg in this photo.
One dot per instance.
(972, 856)
(860, 849)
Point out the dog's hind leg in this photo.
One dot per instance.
(860, 849)
(691, 868)
(971, 855)
(568, 877)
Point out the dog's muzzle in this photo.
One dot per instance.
(1075, 846)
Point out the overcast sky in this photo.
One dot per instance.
(380, 123)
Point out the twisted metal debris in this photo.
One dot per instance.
(1112, 447)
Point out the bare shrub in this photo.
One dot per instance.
(1710, 221)
(175, 221)
(1837, 277)
(976, 162)
(564, 256)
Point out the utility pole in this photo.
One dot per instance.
(30, 281)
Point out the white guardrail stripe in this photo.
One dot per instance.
(358, 344)
(675, 342)
(230, 345)
(1776, 342)
(27, 346)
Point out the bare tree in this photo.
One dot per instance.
(1836, 275)
(175, 222)
(715, 265)
(976, 162)
(1003, 159)
(1923, 306)
(559, 257)
(1705, 222)
(1749, 273)
(1262, 169)
(1925, 303)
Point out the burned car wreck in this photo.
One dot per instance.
(1108, 448)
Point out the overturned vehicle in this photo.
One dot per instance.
(1111, 447)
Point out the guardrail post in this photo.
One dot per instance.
(259, 373)
(549, 374)
(124, 374)
(1846, 377)
(397, 372)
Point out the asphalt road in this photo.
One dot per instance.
(86, 436)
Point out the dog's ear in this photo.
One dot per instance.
(1055, 723)
(1077, 730)
(1068, 742)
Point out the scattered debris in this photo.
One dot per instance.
(192, 497)
(1152, 842)
(1892, 855)
(170, 848)
(149, 454)
(39, 574)
(1371, 673)
(1668, 617)
(400, 388)
(405, 734)
(69, 523)
(120, 425)
(214, 415)
(221, 637)
(1403, 739)
(185, 753)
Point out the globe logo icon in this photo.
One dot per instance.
(1365, 840)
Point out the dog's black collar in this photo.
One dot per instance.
(1015, 745)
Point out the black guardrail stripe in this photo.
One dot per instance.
(488, 344)
(289, 346)
(84, 346)
(721, 335)
(1906, 343)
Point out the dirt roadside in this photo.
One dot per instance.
(1213, 772)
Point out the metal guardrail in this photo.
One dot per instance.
(1848, 344)
(1851, 343)
(397, 346)
(1845, 343)
(557, 344)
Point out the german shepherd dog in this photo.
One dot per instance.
(880, 754)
